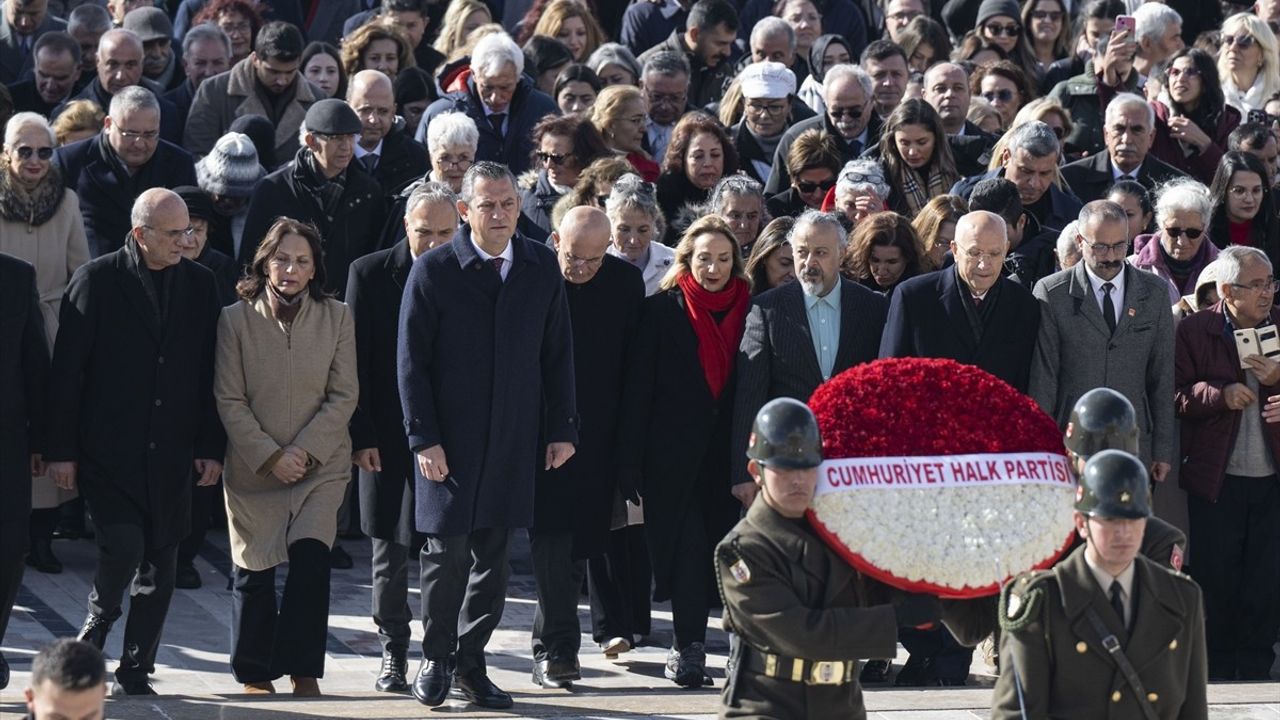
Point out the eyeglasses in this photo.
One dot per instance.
(575, 260)
(147, 135)
(1010, 30)
(1241, 191)
(974, 256)
(903, 16)
(837, 112)
(1242, 41)
(1191, 233)
(554, 158)
(25, 152)
(1004, 95)
(335, 136)
(457, 162)
(770, 109)
(1263, 287)
(1058, 131)
(601, 200)
(1103, 249)
(663, 99)
(1050, 15)
(1188, 71)
(173, 234)
(808, 188)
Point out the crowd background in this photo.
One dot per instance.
(787, 180)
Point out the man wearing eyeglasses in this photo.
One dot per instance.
(1229, 466)
(1104, 323)
(131, 412)
(1129, 130)
(665, 83)
(849, 117)
(111, 169)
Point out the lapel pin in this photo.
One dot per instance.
(1132, 312)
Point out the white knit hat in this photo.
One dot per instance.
(231, 168)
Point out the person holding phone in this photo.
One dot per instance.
(1112, 67)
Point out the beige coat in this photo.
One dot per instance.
(222, 98)
(56, 248)
(276, 388)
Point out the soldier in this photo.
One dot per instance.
(1103, 419)
(1107, 632)
(799, 629)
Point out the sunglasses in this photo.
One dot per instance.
(1004, 96)
(1050, 15)
(1010, 30)
(554, 158)
(1242, 41)
(1191, 233)
(808, 188)
(25, 152)
(837, 112)
(1178, 72)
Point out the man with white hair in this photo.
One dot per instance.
(767, 89)
(861, 189)
(849, 117)
(801, 334)
(1128, 131)
(1030, 161)
(501, 99)
(131, 413)
(109, 170)
(772, 39)
(1158, 30)
(384, 151)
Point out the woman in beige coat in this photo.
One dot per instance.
(40, 223)
(286, 386)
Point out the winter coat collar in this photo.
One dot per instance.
(36, 206)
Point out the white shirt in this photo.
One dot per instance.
(361, 152)
(508, 254)
(1104, 580)
(1117, 291)
(1117, 173)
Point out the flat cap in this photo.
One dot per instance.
(332, 117)
(149, 23)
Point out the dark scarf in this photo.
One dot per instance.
(158, 297)
(34, 206)
(285, 309)
(1181, 270)
(717, 341)
(326, 192)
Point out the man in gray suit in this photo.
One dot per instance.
(1105, 323)
(799, 335)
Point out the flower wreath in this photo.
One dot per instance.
(939, 478)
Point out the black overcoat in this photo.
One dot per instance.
(131, 397)
(24, 368)
(483, 364)
(578, 497)
(374, 289)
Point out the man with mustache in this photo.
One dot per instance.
(1104, 323)
(1128, 131)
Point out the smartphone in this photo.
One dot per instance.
(1246, 345)
(1259, 117)
(1126, 23)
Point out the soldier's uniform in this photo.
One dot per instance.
(1065, 652)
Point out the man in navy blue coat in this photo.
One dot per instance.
(485, 365)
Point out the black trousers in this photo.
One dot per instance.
(391, 611)
(464, 589)
(948, 659)
(1238, 568)
(620, 584)
(207, 507)
(691, 579)
(558, 578)
(42, 524)
(127, 560)
(266, 642)
(11, 568)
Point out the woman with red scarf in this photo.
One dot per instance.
(675, 431)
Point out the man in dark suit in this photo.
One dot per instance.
(474, 313)
(110, 170)
(849, 117)
(374, 289)
(21, 25)
(1030, 161)
(24, 369)
(801, 334)
(56, 72)
(1030, 255)
(131, 412)
(946, 88)
(1128, 132)
(573, 505)
(1104, 323)
(206, 51)
(384, 151)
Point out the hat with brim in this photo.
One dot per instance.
(332, 117)
(149, 23)
(767, 80)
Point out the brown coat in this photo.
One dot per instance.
(223, 98)
(276, 388)
(1205, 361)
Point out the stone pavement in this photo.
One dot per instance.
(195, 682)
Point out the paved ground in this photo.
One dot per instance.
(196, 683)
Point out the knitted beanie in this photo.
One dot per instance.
(993, 8)
(231, 169)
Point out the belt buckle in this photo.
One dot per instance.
(827, 672)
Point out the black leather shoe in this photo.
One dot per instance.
(874, 671)
(187, 577)
(431, 686)
(42, 559)
(96, 628)
(540, 677)
(132, 687)
(916, 672)
(4, 673)
(478, 689)
(339, 559)
(392, 676)
(563, 667)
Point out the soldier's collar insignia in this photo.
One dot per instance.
(740, 571)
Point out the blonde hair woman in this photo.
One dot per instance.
(81, 119)
(1247, 63)
(460, 19)
(377, 45)
(619, 114)
(573, 24)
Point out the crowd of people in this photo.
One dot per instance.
(545, 261)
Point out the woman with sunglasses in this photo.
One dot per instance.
(916, 156)
(1178, 250)
(1005, 86)
(1193, 121)
(565, 146)
(1048, 31)
(1000, 24)
(40, 223)
(1247, 63)
(813, 162)
(1244, 211)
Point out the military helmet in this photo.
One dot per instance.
(1102, 419)
(785, 434)
(1114, 484)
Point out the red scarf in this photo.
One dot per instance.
(717, 343)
